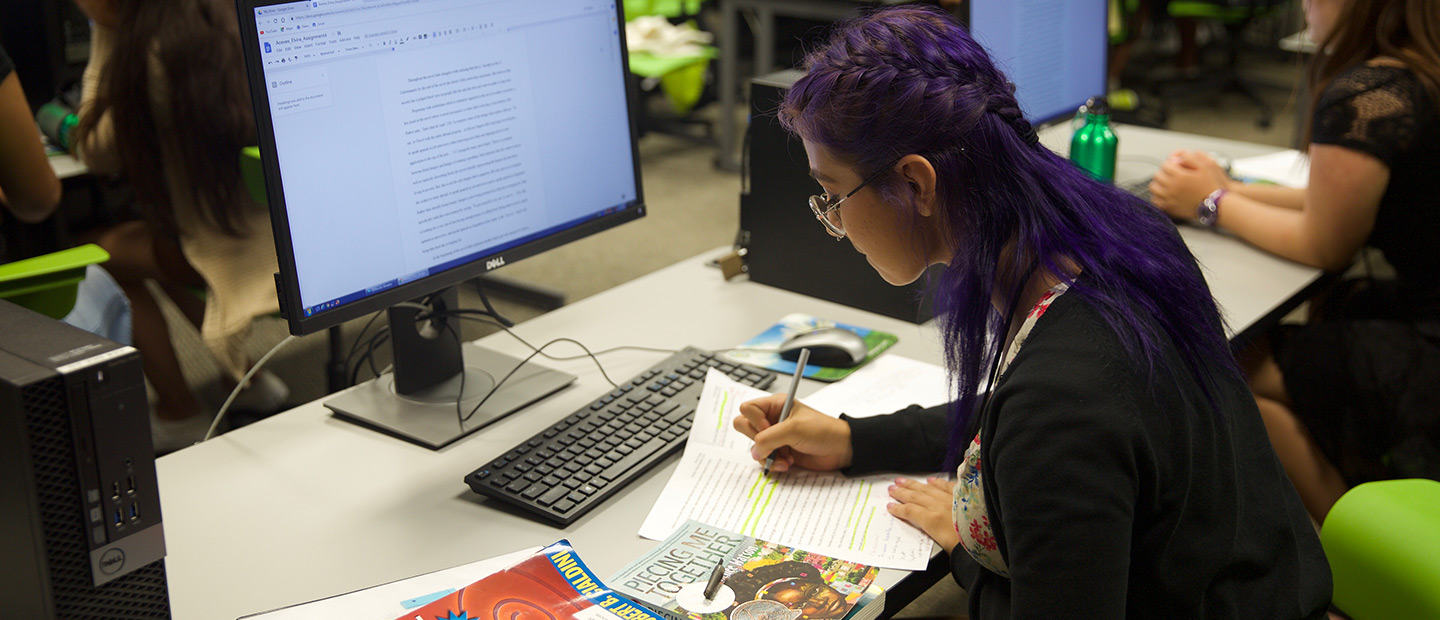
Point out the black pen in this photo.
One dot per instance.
(789, 399)
(713, 586)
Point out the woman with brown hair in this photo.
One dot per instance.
(1355, 395)
(166, 106)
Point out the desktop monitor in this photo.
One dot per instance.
(411, 145)
(1055, 51)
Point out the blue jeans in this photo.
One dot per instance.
(101, 308)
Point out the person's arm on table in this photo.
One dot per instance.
(1335, 217)
(27, 184)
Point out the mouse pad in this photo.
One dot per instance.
(760, 350)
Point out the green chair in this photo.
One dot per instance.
(1234, 15)
(47, 284)
(1383, 543)
(681, 78)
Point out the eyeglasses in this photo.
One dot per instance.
(829, 212)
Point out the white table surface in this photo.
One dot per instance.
(302, 505)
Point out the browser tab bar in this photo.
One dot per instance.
(289, 8)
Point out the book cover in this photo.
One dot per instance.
(552, 584)
(763, 580)
(760, 350)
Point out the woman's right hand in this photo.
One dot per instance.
(807, 438)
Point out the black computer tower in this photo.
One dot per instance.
(80, 529)
(786, 247)
(49, 40)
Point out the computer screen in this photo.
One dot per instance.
(1053, 50)
(411, 145)
(411, 140)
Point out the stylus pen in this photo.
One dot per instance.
(789, 399)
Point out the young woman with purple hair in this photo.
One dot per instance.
(1126, 469)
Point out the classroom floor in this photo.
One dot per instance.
(694, 207)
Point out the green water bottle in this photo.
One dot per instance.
(57, 122)
(1094, 145)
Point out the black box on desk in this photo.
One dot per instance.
(80, 531)
(786, 246)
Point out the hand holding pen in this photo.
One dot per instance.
(808, 438)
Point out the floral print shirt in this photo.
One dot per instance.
(972, 521)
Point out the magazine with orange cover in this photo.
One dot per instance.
(552, 584)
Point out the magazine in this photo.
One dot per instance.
(551, 584)
(763, 580)
(760, 350)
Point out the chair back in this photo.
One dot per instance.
(1383, 542)
(47, 284)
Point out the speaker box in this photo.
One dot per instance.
(80, 529)
(785, 246)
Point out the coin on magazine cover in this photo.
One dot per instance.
(763, 609)
(692, 598)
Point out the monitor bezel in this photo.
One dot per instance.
(287, 280)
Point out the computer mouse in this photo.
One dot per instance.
(835, 347)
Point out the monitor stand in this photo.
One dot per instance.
(417, 402)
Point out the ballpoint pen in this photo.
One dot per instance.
(713, 586)
(789, 399)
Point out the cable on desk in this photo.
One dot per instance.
(220, 415)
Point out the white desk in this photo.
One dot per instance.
(66, 166)
(302, 506)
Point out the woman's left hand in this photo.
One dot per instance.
(1185, 179)
(929, 506)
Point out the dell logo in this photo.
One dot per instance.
(498, 261)
(112, 561)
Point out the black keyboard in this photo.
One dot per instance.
(566, 470)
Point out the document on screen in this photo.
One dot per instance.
(465, 161)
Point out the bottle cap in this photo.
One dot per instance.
(1097, 105)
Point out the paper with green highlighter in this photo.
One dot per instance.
(718, 483)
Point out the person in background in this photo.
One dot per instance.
(166, 106)
(1353, 396)
(1118, 466)
(30, 190)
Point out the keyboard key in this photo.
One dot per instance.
(564, 505)
(552, 496)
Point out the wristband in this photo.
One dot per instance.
(1208, 212)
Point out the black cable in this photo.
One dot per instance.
(460, 312)
(485, 300)
(355, 346)
(376, 340)
(522, 363)
(460, 396)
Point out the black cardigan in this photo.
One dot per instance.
(1116, 497)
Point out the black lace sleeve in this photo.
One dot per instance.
(1371, 109)
(5, 65)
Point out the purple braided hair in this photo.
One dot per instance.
(910, 80)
